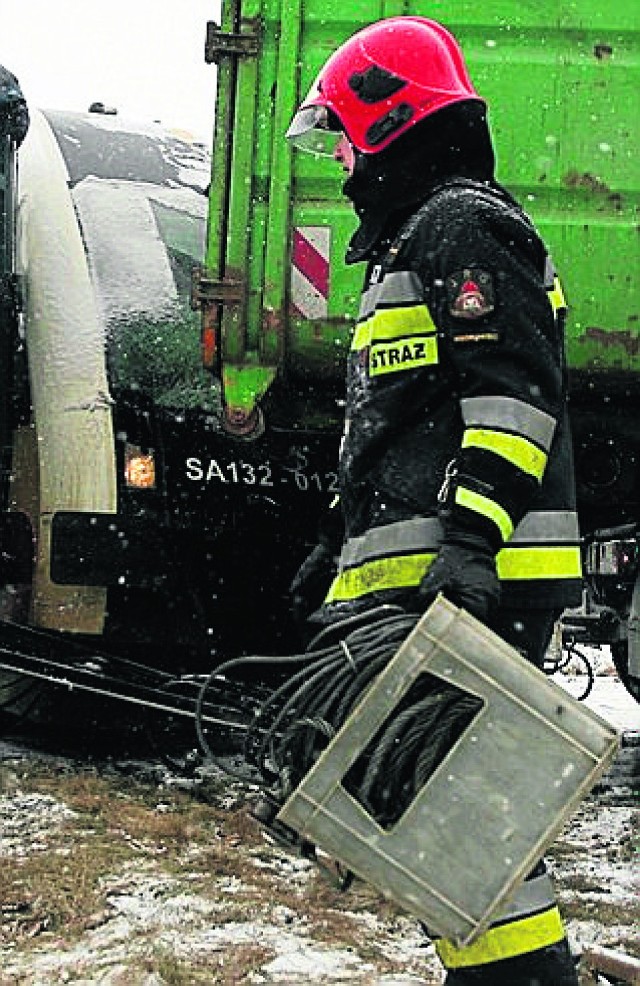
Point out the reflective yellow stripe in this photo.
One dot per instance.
(488, 508)
(361, 336)
(556, 295)
(403, 354)
(516, 449)
(401, 572)
(406, 571)
(539, 563)
(393, 323)
(505, 942)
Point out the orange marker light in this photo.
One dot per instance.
(139, 468)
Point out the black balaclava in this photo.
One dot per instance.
(386, 188)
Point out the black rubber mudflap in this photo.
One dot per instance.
(19, 695)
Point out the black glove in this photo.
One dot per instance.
(466, 575)
(311, 582)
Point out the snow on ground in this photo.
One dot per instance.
(25, 821)
(148, 908)
(608, 696)
(595, 860)
(610, 699)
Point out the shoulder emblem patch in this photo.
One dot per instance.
(470, 293)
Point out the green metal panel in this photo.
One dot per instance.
(561, 81)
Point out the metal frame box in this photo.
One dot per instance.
(494, 803)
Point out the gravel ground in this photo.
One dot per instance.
(186, 892)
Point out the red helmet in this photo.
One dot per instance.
(382, 81)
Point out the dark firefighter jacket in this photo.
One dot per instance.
(456, 412)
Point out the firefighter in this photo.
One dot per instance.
(455, 468)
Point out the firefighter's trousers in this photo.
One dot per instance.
(526, 945)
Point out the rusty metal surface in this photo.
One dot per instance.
(627, 340)
(612, 963)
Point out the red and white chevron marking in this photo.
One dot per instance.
(310, 270)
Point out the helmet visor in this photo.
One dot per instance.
(311, 131)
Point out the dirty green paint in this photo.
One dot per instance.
(244, 385)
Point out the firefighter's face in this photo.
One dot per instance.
(344, 154)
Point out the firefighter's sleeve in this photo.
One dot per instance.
(502, 342)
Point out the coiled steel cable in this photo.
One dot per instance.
(290, 728)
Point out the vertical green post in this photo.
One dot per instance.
(234, 330)
(221, 160)
(273, 334)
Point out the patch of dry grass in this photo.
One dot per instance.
(58, 890)
(59, 887)
(123, 826)
(233, 967)
(54, 891)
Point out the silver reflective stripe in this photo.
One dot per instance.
(549, 273)
(509, 414)
(400, 288)
(418, 535)
(547, 527)
(529, 898)
(423, 534)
